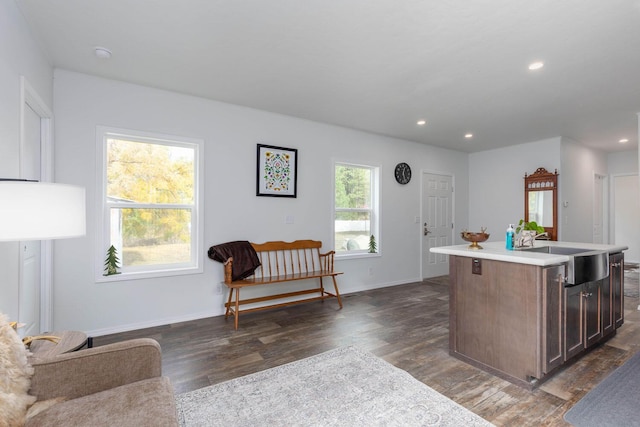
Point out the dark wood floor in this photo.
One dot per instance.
(405, 325)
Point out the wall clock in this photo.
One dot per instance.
(403, 173)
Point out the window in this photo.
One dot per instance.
(150, 203)
(356, 208)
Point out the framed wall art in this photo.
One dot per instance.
(277, 171)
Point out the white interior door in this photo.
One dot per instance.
(36, 162)
(437, 222)
(625, 207)
(30, 252)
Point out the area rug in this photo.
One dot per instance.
(342, 387)
(613, 402)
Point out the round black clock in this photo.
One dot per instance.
(403, 173)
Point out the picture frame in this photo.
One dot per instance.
(276, 171)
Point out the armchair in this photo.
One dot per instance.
(117, 384)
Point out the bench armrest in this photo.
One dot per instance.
(89, 371)
(327, 261)
(228, 271)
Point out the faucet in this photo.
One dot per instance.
(527, 239)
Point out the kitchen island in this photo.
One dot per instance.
(513, 313)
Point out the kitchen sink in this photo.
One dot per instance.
(584, 265)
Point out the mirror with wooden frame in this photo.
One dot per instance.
(541, 200)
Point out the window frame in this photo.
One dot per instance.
(375, 213)
(103, 207)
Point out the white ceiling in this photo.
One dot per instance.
(376, 65)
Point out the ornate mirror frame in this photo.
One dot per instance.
(535, 187)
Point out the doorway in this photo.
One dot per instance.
(599, 211)
(437, 222)
(34, 287)
(625, 211)
(30, 251)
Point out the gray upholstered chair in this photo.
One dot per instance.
(113, 385)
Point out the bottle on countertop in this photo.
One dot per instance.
(510, 237)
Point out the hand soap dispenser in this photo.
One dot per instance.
(510, 237)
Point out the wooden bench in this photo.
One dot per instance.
(283, 262)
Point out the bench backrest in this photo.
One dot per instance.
(281, 258)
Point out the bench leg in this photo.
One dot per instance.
(237, 310)
(321, 288)
(226, 314)
(335, 286)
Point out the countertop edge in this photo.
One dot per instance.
(495, 251)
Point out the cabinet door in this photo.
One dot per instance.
(553, 292)
(606, 312)
(573, 324)
(616, 278)
(592, 295)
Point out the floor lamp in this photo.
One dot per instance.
(31, 210)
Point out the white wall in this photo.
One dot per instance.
(490, 181)
(622, 162)
(625, 202)
(19, 56)
(496, 189)
(578, 166)
(232, 211)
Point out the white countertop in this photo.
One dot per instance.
(497, 251)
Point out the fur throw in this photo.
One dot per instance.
(15, 377)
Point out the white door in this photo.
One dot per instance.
(437, 222)
(30, 252)
(625, 206)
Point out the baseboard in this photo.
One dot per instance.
(203, 315)
(368, 287)
(152, 323)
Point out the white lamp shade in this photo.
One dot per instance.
(41, 210)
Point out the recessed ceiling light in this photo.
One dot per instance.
(102, 52)
(536, 65)
(623, 141)
(468, 135)
(422, 122)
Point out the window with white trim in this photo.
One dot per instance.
(356, 216)
(150, 203)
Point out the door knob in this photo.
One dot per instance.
(426, 230)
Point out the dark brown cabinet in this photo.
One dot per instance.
(613, 295)
(552, 314)
(508, 319)
(594, 310)
(520, 322)
(592, 294)
(616, 280)
(573, 329)
(608, 296)
(583, 314)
